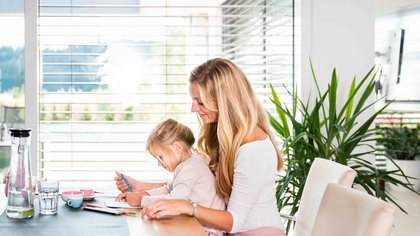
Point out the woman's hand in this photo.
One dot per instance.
(133, 199)
(166, 208)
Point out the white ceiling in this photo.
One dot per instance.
(388, 6)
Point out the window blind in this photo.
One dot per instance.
(111, 70)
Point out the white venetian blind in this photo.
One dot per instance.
(112, 69)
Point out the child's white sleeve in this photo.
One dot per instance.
(165, 189)
(182, 184)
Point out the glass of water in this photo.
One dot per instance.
(48, 196)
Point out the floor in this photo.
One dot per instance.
(407, 224)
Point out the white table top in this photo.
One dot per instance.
(186, 226)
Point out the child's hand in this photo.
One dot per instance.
(133, 199)
(120, 183)
(137, 186)
(122, 197)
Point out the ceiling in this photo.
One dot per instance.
(389, 6)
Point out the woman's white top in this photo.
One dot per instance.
(192, 180)
(252, 202)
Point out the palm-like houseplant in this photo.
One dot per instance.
(400, 143)
(322, 129)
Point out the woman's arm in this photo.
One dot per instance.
(217, 219)
(137, 186)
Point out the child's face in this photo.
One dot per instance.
(167, 159)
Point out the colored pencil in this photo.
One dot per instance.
(126, 182)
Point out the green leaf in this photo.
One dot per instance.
(350, 100)
(281, 115)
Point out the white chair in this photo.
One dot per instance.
(321, 173)
(350, 212)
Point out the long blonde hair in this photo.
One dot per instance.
(225, 89)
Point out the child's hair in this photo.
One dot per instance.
(169, 131)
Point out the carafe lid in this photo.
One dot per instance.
(20, 133)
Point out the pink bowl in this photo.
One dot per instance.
(66, 194)
(87, 192)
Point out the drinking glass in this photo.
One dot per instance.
(48, 196)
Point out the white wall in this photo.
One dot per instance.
(337, 34)
(340, 34)
(406, 91)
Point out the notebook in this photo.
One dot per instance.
(103, 209)
(113, 203)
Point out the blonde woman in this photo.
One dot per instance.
(235, 137)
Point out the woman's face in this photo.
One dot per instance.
(205, 114)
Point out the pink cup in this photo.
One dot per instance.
(87, 192)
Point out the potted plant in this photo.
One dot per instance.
(323, 129)
(400, 143)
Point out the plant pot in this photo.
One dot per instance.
(410, 168)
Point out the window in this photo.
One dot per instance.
(11, 63)
(11, 75)
(110, 70)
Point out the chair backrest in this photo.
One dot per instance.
(350, 212)
(321, 173)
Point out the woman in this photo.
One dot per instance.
(235, 136)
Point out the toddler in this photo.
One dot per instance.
(171, 144)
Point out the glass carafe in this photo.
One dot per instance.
(20, 203)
